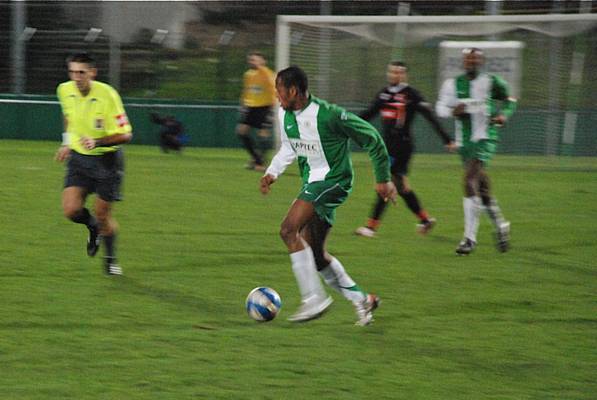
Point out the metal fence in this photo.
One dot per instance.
(190, 50)
(176, 55)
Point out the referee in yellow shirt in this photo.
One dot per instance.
(257, 100)
(95, 125)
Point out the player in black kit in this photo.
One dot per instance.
(397, 104)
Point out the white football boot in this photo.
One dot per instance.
(365, 231)
(311, 308)
(365, 309)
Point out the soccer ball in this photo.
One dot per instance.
(263, 304)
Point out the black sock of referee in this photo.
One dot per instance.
(110, 243)
(84, 217)
(248, 143)
(412, 202)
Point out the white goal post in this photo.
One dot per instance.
(554, 56)
(493, 24)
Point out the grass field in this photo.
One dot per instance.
(197, 236)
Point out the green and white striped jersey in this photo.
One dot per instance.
(319, 135)
(480, 96)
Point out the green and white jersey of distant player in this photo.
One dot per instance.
(480, 96)
(319, 136)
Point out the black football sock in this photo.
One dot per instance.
(247, 141)
(378, 208)
(412, 202)
(84, 217)
(110, 243)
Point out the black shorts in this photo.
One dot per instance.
(97, 174)
(256, 117)
(400, 154)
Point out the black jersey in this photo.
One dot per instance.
(397, 106)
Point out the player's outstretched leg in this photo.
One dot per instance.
(83, 216)
(426, 223)
(502, 237)
(502, 227)
(314, 299)
(264, 144)
(244, 134)
(336, 277)
(93, 240)
(370, 229)
(109, 227)
(471, 206)
(111, 266)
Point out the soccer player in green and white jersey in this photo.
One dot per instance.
(319, 134)
(95, 125)
(472, 99)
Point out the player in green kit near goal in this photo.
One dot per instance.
(318, 135)
(472, 99)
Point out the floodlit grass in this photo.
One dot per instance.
(197, 236)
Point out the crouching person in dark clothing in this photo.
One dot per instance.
(172, 135)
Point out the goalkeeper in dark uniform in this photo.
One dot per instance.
(397, 105)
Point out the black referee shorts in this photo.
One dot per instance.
(97, 174)
(256, 117)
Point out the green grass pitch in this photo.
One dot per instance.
(197, 236)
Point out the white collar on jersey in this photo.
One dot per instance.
(309, 101)
(397, 88)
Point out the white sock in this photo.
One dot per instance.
(472, 208)
(336, 277)
(303, 266)
(495, 213)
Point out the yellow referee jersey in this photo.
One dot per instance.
(258, 88)
(96, 115)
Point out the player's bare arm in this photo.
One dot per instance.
(112, 140)
(63, 151)
(427, 111)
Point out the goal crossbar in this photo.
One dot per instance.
(517, 21)
(408, 19)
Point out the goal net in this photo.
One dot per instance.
(548, 61)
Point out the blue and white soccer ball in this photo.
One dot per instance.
(263, 304)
